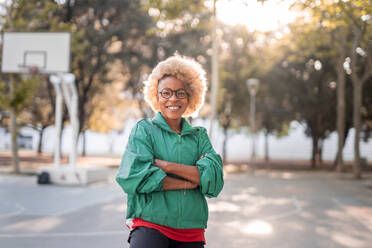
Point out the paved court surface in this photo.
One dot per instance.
(267, 209)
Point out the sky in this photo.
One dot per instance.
(256, 16)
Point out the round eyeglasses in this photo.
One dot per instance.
(168, 93)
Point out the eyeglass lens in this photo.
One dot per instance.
(168, 93)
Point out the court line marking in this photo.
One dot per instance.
(19, 209)
(297, 210)
(65, 234)
(59, 213)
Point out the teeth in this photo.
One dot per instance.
(173, 107)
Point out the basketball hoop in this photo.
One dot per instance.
(29, 69)
(33, 70)
(49, 51)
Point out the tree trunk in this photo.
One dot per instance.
(356, 120)
(346, 134)
(314, 152)
(14, 132)
(266, 146)
(320, 151)
(224, 145)
(340, 111)
(69, 10)
(14, 135)
(357, 94)
(40, 145)
(338, 162)
(84, 144)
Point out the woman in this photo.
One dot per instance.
(169, 166)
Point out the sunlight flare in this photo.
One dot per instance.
(258, 227)
(269, 16)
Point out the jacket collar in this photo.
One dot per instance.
(186, 127)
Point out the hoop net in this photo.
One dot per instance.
(30, 69)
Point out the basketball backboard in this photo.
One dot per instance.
(49, 52)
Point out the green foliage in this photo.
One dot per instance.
(349, 25)
(39, 113)
(367, 111)
(302, 78)
(24, 89)
(108, 36)
(170, 10)
(174, 26)
(236, 66)
(122, 40)
(32, 15)
(245, 56)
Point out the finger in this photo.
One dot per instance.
(203, 156)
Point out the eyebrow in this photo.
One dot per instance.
(172, 89)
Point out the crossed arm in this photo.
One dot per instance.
(189, 173)
(137, 173)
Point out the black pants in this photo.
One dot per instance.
(144, 237)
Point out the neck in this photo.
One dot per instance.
(174, 124)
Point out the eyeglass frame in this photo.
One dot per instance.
(174, 92)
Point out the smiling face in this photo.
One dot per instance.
(173, 107)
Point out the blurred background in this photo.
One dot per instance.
(289, 108)
(293, 79)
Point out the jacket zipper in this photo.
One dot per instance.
(179, 161)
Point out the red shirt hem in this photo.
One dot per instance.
(183, 235)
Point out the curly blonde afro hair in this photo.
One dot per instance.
(184, 69)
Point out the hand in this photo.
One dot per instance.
(191, 185)
(162, 164)
(203, 156)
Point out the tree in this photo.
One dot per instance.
(21, 15)
(311, 100)
(16, 93)
(177, 26)
(112, 109)
(305, 76)
(273, 109)
(358, 82)
(104, 33)
(329, 19)
(236, 66)
(110, 35)
(355, 15)
(39, 114)
(246, 55)
(367, 111)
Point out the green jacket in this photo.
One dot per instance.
(142, 180)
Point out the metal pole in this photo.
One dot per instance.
(58, 124)
(253, 125)
(65, 88)
(56, 81)
(214, 72)
(74, 123)
(253, 84)
(71, 98)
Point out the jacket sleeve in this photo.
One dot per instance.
(210, 167)
(137, 173)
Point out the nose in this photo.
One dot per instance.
(173, 97)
